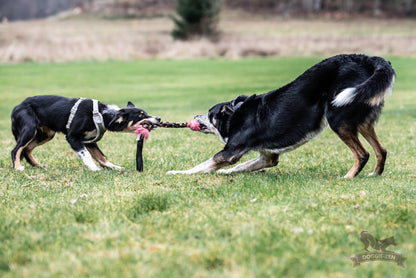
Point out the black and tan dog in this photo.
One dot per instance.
(84, 121)
(346, 91)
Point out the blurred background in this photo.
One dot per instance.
(67, 30)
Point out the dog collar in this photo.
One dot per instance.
(96, 116)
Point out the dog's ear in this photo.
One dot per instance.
(227, 110)
(237, 100)
(130, 104)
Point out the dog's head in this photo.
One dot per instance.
(130, 117)
(216, 121)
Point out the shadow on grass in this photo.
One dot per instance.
(146, 203)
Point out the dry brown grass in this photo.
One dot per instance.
(84, 38)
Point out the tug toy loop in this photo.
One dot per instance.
(143, 130)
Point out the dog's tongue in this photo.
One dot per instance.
(142, 132)
(194, 125)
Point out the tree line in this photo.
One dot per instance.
(402, 8)
(27, 9)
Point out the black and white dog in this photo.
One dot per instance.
(346, 91)
(84, 121)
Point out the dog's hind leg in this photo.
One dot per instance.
(350, 138)
(24, 128)
(42, 136)
(99, 156)
(264, 160)
(381, 153)
(23, 141)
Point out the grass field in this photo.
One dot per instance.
(300, 219)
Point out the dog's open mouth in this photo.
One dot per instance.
(143, 128)
(196, 125)
(202, 127)
(149, 123)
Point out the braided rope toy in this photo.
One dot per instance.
(143, 131)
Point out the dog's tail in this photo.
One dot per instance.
(373, 90)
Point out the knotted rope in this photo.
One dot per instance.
(173, 125)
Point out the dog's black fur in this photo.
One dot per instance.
(36, 120)
(346, 91)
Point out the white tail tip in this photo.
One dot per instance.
(345, 97)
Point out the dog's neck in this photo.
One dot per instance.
(109, 112)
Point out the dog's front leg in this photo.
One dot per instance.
(82, 153)
(220, 160)
(206, 167)
(262, 161)
(99, 156)
(86, 158)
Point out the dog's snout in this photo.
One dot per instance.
(154, 120)
(157, 119)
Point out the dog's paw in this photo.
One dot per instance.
(112, 166)
(20, 168)
(94, 169)
(174, 172)
(224, 171)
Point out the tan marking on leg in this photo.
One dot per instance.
(96, 154)
(33, 144)
(358, 151)
(29, 154)
(17, 161)
(101, 159)
(17, 165)
(381, 153)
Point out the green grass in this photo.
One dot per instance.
(300, 219)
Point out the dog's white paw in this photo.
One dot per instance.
(20, 168)
(175, 172)
(224, 171)
(112, 166)
(91, 168)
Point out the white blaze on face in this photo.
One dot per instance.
(204, 119)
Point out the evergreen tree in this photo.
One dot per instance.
(196, 18)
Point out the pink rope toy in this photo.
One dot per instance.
(142, 132)
(194, 125)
